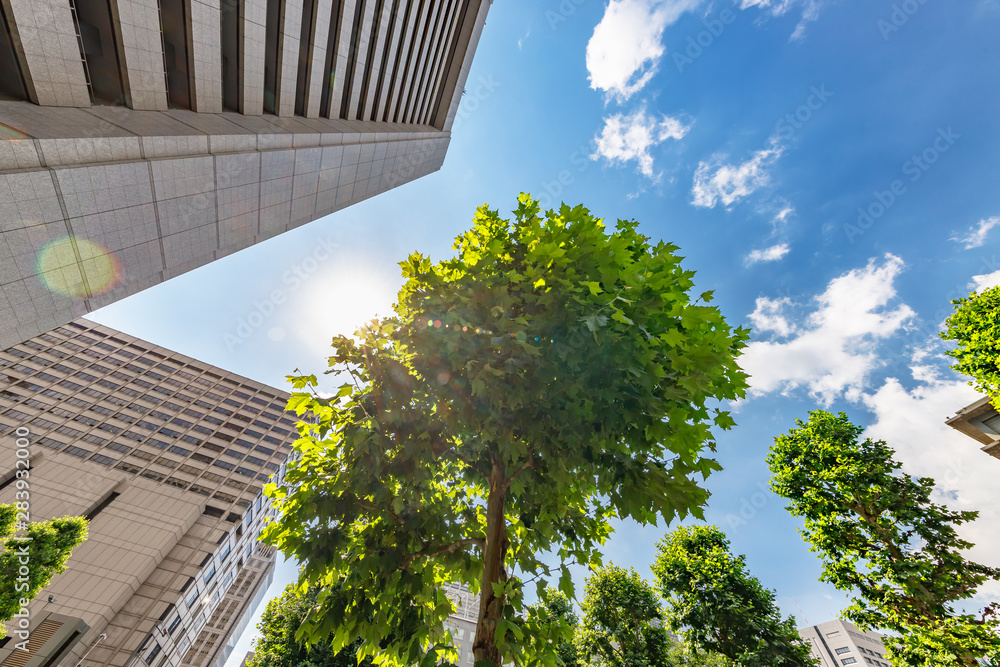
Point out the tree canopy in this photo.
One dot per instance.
(622, 623)
(720, 606)
(277, 647)
(555, 611)
(882, 538)
(975, 327)
(48, 544)
(548, 377)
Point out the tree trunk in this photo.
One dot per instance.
(490, 605)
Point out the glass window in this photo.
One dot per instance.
(848, 661)
(842, 650)
(153, 652)
(210, 572)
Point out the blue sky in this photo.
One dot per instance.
(828, 167)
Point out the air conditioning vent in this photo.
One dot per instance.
(36, 640)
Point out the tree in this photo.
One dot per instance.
(975, 326)
(622, 622)
(277, 646)
(546, 378)
(555, 611)
(721, 607)
(683, 654)
(880, 536)
(29, 562)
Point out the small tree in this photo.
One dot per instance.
(720, 606)
(277, 646)
(622, 623)
(47, 545)
(548, 377)
(683, 654)
(975, 327)
(554, 612)
(880, 536)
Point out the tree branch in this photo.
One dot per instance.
(443, 549)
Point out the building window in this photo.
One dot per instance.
(209, 573)
(174, 624)
(841, 651)
(153, 652)
(848, 661)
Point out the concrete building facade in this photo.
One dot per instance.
(166, 456)
(145, 138)
(838, 643)
(981, 422)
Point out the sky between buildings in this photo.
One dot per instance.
(829, 168)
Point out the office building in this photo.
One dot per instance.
(167, 456)
(981, 422)
(838, 643)
(140, 139)
(462, 622)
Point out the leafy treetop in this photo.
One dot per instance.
(50, 544)
(548, 377)
(622, 623)
(720, 606)
(277, 647)
(880, 536)
(975, 327)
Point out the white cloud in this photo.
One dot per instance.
(833, 351)
(626, 138)
(853, 313)
(985, 281)
(976, 237)
(521, 41)
(768, 316)
(912, 422)
(627, 45)
(772, 254)
(716, 181)
(810, 11)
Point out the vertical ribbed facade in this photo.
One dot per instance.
(164, 134)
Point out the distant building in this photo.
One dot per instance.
(981, 422)
(463, 622)
(838, 643)
(166, 455)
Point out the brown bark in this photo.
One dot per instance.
(494, 555)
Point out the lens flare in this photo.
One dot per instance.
(96, 272)
(8, 132)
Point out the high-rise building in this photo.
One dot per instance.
(838, 643)
(462, 622)
(167, 456)
(981, 422)
(140, 139)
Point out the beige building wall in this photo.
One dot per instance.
(45, 38)
(142, 53)
(207, 61)
(168, 456)
(253, 25)
(99, 202)
(981, 422)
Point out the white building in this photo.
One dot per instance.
(837, 643)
